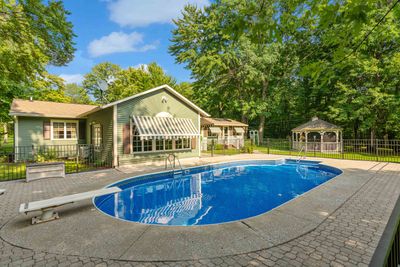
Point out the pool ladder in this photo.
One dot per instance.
(300, 157)
(172, 159)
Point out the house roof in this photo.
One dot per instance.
(316, 124)
(35, 108)
(222, 122)
(165, 87)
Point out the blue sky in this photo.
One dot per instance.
(124, 32)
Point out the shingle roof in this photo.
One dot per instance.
(34, 108)
(222, 122)
(317, 124)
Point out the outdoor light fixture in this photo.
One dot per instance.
(164, 99)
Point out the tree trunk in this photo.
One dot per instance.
(5, 137)
(262, 116)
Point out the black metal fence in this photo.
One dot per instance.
(77, 158)
(387, 253)
(352, 149)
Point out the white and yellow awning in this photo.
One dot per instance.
(215, 130)
(164, 127)
(239, 130)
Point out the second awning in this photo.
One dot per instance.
(215, 130)
(164, 127)
(239, 130)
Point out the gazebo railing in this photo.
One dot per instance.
(318, 146)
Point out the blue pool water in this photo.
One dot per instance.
(213, 194)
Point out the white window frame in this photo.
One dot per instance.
(163, 150)
(93, 133)
(65, 129)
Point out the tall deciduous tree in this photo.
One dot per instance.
(98, 81)
(132, 80)
(77, 94)
(280, 62)
(33, 34)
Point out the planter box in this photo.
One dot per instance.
(45, 170)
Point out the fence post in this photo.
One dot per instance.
(77, 158)
(376, 150)
(33, 153)
(267, 145)
(212, 147)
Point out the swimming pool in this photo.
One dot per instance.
(213, 194)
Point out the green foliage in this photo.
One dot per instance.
(121, 83)
(44, 156)
(281, 62)
(99, 79)
(33, 35)
(132, 80)
(77, 94)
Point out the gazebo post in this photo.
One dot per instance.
(322, 133)
(337, 140)
(293, 140)
(306, 134)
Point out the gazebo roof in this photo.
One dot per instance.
(316, 124)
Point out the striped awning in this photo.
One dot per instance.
(164, 127)
(239, 130)
(215, 130)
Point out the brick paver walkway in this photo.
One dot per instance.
(346, 238)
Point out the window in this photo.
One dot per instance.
(159, 144)
(147, 145)
(178, 144)
(71, 130)
(64, 130)
(96, 135)
(150, 145)
(168, 144)
(186, 143)
(226, 131)
(58, 130)
(137, 142)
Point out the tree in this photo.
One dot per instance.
(99, 79)
(132, 80)
(77, 94)
(234, 61)
(33, 34)
(280, 62)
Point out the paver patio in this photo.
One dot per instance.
(342, 230)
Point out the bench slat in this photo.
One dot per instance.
(58, 201)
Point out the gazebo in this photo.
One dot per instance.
(317, 135)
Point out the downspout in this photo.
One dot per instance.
(115, 137)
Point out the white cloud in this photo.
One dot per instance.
(117, 42)
(137, 13)
(72, 78)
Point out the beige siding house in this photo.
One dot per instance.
(147, 125)
(221, 131)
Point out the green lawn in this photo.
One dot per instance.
(286, 151)
(345, 155)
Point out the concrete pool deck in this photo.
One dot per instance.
(338, 223)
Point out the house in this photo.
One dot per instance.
(152, 123)
(227, 132)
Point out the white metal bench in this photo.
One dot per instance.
(38, 171)
(47, 206)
